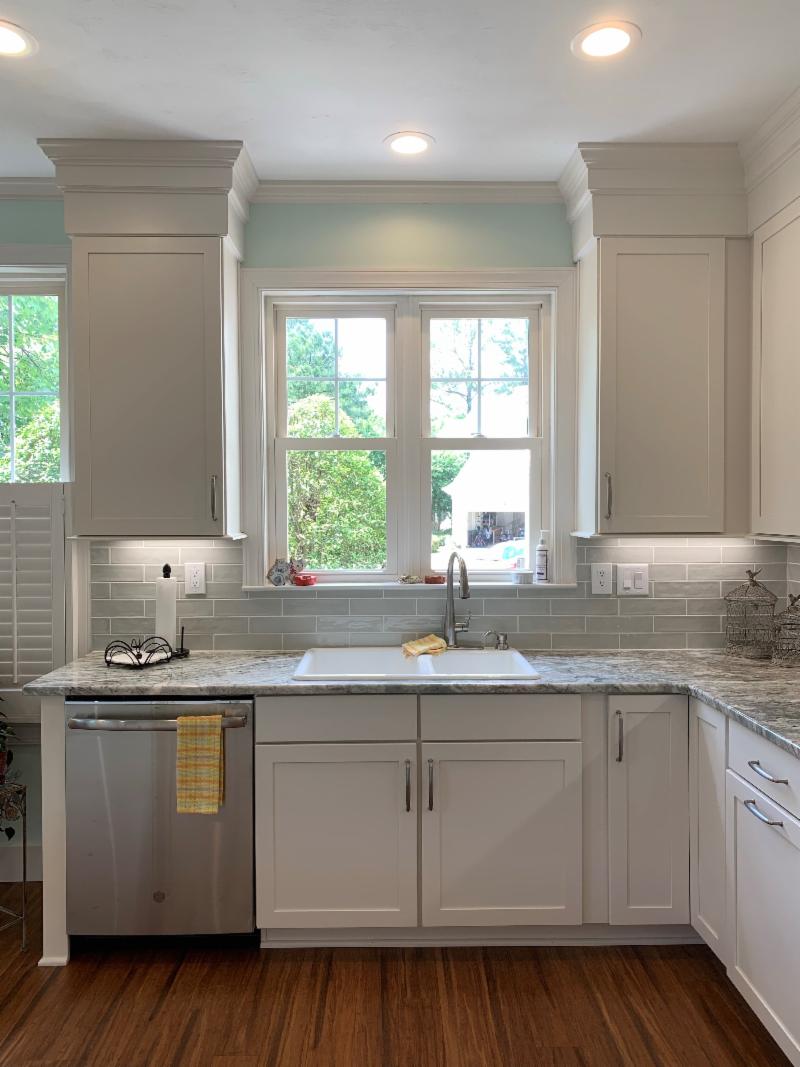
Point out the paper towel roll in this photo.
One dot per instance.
(167, 607)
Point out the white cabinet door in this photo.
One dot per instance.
(147, 386)
(501, 833)
(648, 810)
(336, 835)
(776, 374)
(707, 765)
(662, 369)
(762, 932)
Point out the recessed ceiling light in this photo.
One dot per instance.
(14, 41)
(409, 142)
(605, 39)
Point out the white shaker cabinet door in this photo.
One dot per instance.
(661, 385)
(147, 386)
(707, 765)
(648, 810)
(762, 932)
(501, 833)
(336, 835)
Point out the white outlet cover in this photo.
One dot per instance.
(633, 579)
(194, 578)
(602, 579)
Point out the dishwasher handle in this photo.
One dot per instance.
(230, 722)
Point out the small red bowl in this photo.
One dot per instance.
(305, 579)
(434, 579)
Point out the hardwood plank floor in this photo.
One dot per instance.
(206, 1004)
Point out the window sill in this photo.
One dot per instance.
(395, 586)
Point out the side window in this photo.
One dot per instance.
(30, 384)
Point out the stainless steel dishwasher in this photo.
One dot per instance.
(134, 866)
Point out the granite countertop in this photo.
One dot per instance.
(761, 696)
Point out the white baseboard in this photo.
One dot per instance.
(591, 934)
(11, 863)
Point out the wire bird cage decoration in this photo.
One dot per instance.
(787, 635)
(750, 625)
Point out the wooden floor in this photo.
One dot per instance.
(206, 1005)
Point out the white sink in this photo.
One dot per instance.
(478, 663)
(387, 664)
(356, 663)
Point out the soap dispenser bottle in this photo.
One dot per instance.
(542, 559)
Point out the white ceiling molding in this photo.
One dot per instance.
(150, 188)
(410, 192)
(667, 190)
(29, 189)
(771, 158)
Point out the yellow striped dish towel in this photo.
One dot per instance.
(424, 646)
(200, 765)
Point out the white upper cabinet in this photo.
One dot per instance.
(648, 810)
(148, 386)
(661, 404)
(776, 374)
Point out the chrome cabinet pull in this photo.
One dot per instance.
(408, 785)
(755, 765)
(609, 494)
(213, 498)
(620, 737)
(752, 807)
(430, 785)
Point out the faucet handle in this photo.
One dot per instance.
(461, 627)
(502, 642)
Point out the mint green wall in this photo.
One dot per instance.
(32, 222)
(397, 236)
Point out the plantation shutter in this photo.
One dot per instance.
(32, 607)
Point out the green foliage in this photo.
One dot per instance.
(38, 444)
(337, 499)
(444, 467)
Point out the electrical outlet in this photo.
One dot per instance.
(602, 579)
(195, 578)
(633, 579)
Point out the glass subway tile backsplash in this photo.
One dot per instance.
(684, 608)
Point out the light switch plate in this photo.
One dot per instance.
(602, 579)
(633, 579)
(195, 578)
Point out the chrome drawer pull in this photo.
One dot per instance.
(609, 495)
(408, 785)
(756, 766)
(752, 807)
(430, 785)
(620, 737)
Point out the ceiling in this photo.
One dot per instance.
(313, 86)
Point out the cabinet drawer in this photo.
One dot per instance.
(336, 718)
(757, 760)
(500, 718)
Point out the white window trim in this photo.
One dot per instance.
(555, 289)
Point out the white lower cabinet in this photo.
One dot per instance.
(501, 833)
(648, 810)
(707, 766)
(762, 930)
(336, 835)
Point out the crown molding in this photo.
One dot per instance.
(771, 158)
(149, 187)
(775, 141)
(412, 192)
(653, 189)
(29, 189)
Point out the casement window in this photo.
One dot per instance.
(401, 428)
(32, 379)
